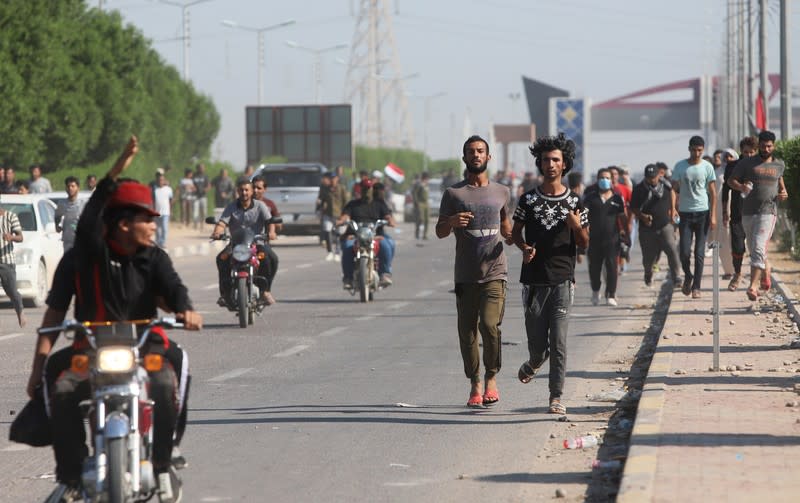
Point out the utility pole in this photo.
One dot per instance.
(373, 87)
(185, 23)
(786, 91)
(762, 58)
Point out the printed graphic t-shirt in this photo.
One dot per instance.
(764, 176)
(479, 247)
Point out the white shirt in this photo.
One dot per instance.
(163, 199)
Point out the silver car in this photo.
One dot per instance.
(294, 188)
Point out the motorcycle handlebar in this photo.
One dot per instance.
(84, 328)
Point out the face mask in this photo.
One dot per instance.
(604, 184)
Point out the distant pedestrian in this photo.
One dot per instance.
(732, 208)
(188, 195)
(760, 180)
(695, 181)
(38, 184)
(10, 233)
(420, 196)
(23, 186)
(720, 234)
(162, 199)
(91, 182)
(554, 224)
(653, 204)
(68, 212)
(201, 184)
(475, 211)
(10, 182)
(223, 189)
(608, 226)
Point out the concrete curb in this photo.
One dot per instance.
(638, 476)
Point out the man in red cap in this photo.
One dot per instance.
(115, 273)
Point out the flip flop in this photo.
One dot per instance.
(766, 284)
(490, 398)
(526, 373)
(556, 407)
(475, 401)
(752, 294)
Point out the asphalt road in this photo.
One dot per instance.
(327, 399)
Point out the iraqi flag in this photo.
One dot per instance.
(394, 172)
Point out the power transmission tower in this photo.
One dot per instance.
(374, 83)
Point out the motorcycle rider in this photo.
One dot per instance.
(115, 273)
(367, 209)
(245, 212)
(259, 187)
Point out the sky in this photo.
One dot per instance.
(473, 52)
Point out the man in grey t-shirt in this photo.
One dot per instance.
(475, 210)
(760, 181)
(68, 213)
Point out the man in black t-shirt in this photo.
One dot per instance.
(607, 224)
(653, 203)
(732, 208)
(202, 184)
(554, 222)
(367, 209)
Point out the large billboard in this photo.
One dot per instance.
(301, 133)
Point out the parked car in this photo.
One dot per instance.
(434, 200)
(294, 188)
(40, 250)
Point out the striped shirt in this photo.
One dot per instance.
(9, 223)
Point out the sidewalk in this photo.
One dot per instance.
(732, 435)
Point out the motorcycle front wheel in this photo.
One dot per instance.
(363, 278)
(117, 468)
(243, 302)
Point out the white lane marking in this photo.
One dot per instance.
(399, 465)
(366, 318)
(411, 483)
(332, 331)
(230, 375)
(292, 351)
(424, 293)
(11, 336)
(15, 447)
(212, 286)
(303, 266)
(214, 499)
(398, 305)
(446, 282)
(579, 315)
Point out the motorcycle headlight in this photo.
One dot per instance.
(24, 256)
(115, 359)
(241, 253)
(364, 234)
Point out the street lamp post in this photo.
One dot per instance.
(185, 24)
(261, 50)
(317, 62)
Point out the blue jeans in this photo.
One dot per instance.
(693, 226)
(385, 256)
(162, 224)
(546, 324)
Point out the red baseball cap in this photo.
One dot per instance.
(133, 195)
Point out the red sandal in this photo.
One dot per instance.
(491, 398)
(475, 400)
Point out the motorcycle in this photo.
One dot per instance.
(244, 296)
(365, 250)
(120, 467)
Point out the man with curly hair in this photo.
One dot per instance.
(555, 224)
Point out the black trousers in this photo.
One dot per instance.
(8, 277)
(603, 253)
(65, 390)
(737, 245)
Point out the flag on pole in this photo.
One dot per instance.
(761, 119)
(394, 172)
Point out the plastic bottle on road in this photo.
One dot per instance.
(583, 442)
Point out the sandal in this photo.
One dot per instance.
(491, 397)
(734, 284)
(526, 372)
(766, 283)
(556, 407)
(752, 294)
(475, 400)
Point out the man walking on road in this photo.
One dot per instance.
(38, 183)
(554, 222)
(10, 233)
(695, 181)
(760, 180)
(607, 226)
(162, 198)
(653, 203)
(475, 210)
(69, 212)
(420, 196)
(732, 207)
